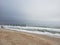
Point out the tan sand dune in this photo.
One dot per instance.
(8, 37)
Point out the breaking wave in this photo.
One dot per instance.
(54, 32)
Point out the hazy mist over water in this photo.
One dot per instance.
(30, 12)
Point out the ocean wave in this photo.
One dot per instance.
(37, 30)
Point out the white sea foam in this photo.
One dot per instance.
(19, 28)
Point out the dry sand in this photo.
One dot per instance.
(8, 37)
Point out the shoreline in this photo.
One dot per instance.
(11, 37)
(56, 35)
(45, 31)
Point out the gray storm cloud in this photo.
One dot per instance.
(32, 11)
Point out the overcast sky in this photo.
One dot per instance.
(34, 11)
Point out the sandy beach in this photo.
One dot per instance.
(10, 37)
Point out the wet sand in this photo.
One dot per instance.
(8, 37)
